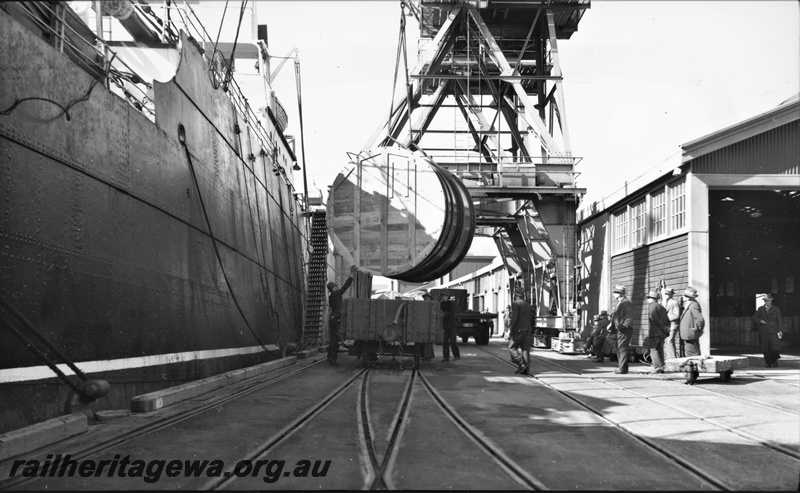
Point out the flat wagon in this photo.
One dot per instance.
(392, 327)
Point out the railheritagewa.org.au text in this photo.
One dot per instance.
(151, 471)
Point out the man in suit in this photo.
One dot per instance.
(622, 324)
(519, 345)
(691, 323)
(659, 329)
(768, 322)
(672, 344)
(598, 336)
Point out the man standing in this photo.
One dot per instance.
(427, 348)
(519, 345)
(671, 346)
(622, 323)
(659, 329)
(449, 309)
(691, 323)
(335, 304)
(768, 320)
(506, 321)
(490, 324)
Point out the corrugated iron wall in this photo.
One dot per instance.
(775, 152)
(641, 269)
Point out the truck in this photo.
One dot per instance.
(469, 323)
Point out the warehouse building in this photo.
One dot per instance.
(725, 221)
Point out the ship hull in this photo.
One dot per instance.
(146, 260)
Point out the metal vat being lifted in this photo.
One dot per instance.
(396, 213)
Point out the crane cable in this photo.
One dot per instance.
(401, 51)
(409, 92)
(300, 117)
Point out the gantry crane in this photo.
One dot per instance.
(486, 101)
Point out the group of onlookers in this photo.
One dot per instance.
(675, 328)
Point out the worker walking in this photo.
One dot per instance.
(449, 309)
(335, 303)
(519, 345)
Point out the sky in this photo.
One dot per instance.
(640, 77)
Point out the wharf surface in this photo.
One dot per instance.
(471, 424)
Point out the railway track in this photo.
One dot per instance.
(380, 440)
(381, 444)
(721, 483)
(384, 425)
(170, 416)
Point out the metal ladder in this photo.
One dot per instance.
(567, 278)
(317, 276)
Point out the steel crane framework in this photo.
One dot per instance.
(486, 102)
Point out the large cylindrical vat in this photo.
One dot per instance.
(396, 213)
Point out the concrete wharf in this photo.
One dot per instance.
(471, 424)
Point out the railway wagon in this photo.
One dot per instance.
(392, 327)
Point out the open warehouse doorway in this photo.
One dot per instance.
(754, 248)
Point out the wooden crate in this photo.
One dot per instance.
(372, 320)
(571, 346)
(555, 344)
(541, 341)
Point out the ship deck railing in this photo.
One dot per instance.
(97, 57)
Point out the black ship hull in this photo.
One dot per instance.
(148, 256)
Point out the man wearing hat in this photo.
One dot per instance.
(622, 323)
(768, 322)
(598, 337)
(427, 348)
(335, 303)
(691, 323)
(671, 346)
(519, 345)
(659, 329)
(448, 306)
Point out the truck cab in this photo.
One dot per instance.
(469, 323)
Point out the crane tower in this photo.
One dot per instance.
(486, 102)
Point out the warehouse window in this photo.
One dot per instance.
(621, 231)
(677, 192)
(638, 223)
(659, 213)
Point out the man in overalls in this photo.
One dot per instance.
(335, 303)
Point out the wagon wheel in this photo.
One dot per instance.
(370, 357)
(725, 376)
(464, 338)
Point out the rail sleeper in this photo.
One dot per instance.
(161, 398)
